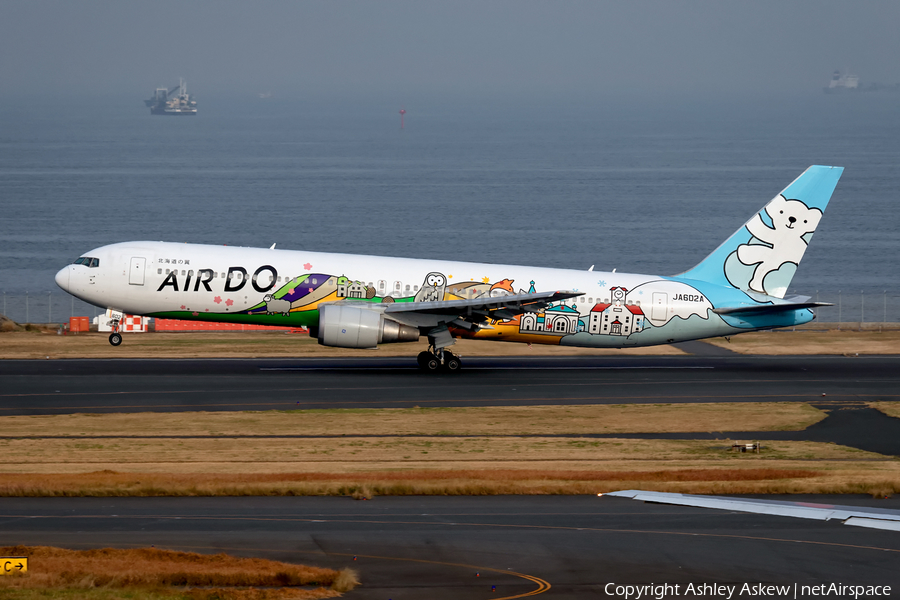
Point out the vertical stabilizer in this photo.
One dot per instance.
(763, 255)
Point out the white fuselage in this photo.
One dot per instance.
(284, 287)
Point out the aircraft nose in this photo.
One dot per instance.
(62, 278)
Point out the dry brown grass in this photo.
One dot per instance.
(493, 420)
(353, 454)
(756, 477)
(891, 409)
(807, 341)
(421, 451)
(364, 453)
(22, 344)
(164, 573)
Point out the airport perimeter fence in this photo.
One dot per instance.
(855, 310)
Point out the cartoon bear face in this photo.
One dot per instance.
(793, 215)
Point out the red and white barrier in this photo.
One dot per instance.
(128, 323)
(180, 325)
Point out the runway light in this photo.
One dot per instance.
(600, 494)
(477, 574)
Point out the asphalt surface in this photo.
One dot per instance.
(458, 547)
(432, 547)
(69, 386)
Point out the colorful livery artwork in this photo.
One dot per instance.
(362, 301)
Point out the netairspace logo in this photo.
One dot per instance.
(747, 590)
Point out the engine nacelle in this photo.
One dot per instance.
(354, 327)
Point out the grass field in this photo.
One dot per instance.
(891, 409)
(532, 450)
(435, 421)
(151, 574)
(845, 342)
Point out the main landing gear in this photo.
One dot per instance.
(433, 361)
(115, 338)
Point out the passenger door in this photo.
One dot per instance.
(136, 274)
(660, 306)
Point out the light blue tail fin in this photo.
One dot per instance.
(763, 255)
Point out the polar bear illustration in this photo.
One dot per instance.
(784, 241)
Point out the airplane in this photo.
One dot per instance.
(354, 301)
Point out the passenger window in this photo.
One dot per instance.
(182, 272)
(167, 271)
(190, 273)
(159, 271)
(407, 287)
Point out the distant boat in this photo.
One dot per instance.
(164, 102)
(842, 82)
(845, 82)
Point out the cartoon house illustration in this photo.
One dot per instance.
(557, 320)
(617, 318)
(350, 289)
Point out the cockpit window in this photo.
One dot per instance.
(87, 261)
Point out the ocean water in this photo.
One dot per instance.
(647, 189)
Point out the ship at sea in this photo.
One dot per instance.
(842, 82)
(175, 101)
(845, 82)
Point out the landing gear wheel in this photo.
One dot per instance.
(432, 364)
(422, 357)
(451, 363)
(115, 339)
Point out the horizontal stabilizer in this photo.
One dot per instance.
(768, 309)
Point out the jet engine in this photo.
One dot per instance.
(355, 327)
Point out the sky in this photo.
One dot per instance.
(464, 49)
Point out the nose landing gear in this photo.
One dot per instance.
(115, 338)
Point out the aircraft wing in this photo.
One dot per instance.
(471, 313)
(860, 516)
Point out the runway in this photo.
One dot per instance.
(459, 547)
(433, 547)
(69, 386)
